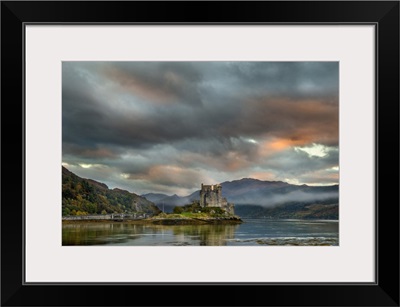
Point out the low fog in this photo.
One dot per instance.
(279, 199)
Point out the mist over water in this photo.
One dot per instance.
(277, 199)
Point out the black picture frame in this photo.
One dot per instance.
(383, 14)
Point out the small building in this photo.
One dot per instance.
(211, 196)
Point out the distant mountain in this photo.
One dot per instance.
(272, 193)
(276, 199)
(86, 196)
(168, 202)
(154, 197)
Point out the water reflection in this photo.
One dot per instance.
(130, 234)
(214, 235)
(251, 232)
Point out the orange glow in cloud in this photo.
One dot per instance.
(263, 176)
(172, 175)
(99, 153)
(234, 161)
(230, 162)
(140, 88)
(276, 145)
(164, 171)
(294, 122)
(279, 145)
(320, 177)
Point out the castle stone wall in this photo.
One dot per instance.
(211, 196)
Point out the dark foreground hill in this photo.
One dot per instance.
(85, 196)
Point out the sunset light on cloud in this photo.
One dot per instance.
(169, 126)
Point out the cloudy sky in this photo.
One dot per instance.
(167, 127)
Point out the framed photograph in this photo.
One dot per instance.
(240, 147)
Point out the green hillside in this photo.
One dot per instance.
(85, 196)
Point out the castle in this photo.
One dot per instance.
(211, 196)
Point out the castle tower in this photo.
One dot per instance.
(211, 196)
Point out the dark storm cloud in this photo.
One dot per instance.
(293, 79)
(296, 163)
(160, 82)
(98, 119)
(211, 116)
(91, 153)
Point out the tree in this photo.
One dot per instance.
(178, 210)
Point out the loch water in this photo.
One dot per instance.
(252, 232)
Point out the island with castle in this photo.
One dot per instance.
(211, 208)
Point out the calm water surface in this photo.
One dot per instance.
(252, 232)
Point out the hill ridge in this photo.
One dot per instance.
(81, 196)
